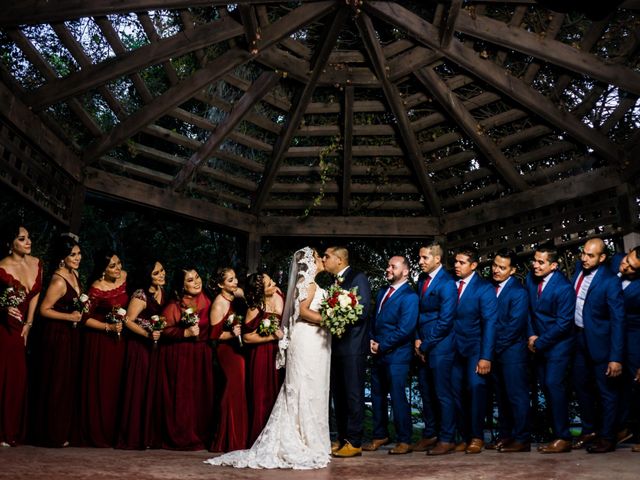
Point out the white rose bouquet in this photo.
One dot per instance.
(339, 309)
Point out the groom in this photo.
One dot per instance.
(348, 357)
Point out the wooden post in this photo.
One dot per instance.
(254, 241)
(77, 207)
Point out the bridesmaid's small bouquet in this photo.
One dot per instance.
(189, 317)
(232, 321)
(117, 315)
(154, 324)
(82, 303)
(268, 326)
(12, 297)
(339, 309)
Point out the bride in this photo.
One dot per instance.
(297, 432)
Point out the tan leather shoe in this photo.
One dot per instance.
(442, 448)
(347, 450)
(636, 448)
(557, 446)
(623, 435)
(602, 445)
(335, 446)
(401, 448)
(514, 447)
(424, 444)
(583, 440)
(460, 447)
(375, 444)
(497, 445)
(475, 446)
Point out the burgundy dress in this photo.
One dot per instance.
(185, 380)
(59, 368)
(264, 379)
(101, 371)
(233, 427)
(137, 424)
(13, 363)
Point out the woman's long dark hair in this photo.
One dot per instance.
(254, 292)
(101, 261)
(61, 249)
(177, 280)
(141, 278)
(10, 232)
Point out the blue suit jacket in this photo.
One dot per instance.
(394, 326)
(437, 311)
(355, 340)
(631, 296)
(513, 316)
(603, 316)
(474, 325)
(552, 315)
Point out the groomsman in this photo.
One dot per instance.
(552, 303)
(391, 345)
(435, 351)
(348, 358)
(510, 365)
(474, 329)
(599, 320)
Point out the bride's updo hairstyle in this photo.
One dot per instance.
(254, 293)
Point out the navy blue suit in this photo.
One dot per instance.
(510, 364)
(435, 331)
(348, 362)
(474, 329)
(600, 341)
(394, 329)
(552, 319)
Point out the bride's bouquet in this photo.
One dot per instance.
(339, 309)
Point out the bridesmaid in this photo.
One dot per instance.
(185, 379)
(265, 301)
(20, 285)
(233, 427)
(61, 311)
(138, 403)
(103, 352)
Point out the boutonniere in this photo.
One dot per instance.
(339, 279)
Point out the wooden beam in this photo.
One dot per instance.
(495, 76)
(299, 107)
(133, 61)
(152, 35)
(380, 227)
(251, 27)
(42, 11)
(449, 27)
(260, 87)
(214, 70)
(455, 108)
(347, 143)
(552, 51)
(392, 95)
(140, 193)
(520, 203)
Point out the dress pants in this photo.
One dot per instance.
(347, 390)
(470, 394)
(434, 381)
(391, 380)
(552, 372)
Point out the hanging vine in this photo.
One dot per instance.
(327, 169)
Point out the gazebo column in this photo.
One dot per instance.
(254, 242)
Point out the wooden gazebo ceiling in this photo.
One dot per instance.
(332, 108)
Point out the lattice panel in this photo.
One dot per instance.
(564, 224)
(35, 176)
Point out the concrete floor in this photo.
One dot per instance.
(28, 462)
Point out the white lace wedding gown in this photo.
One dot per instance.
(297, 432)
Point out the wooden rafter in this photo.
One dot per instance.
(455, 108)
(449, 27)
(152, 35)
(347, 143)
(495, 76)
(260, 87)
(251, 28)
(133, 61)
(214, 70)
(295, 116)
(392, 96)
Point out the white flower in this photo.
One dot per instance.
(9, 290)
(266, 322)
(155, 318)
(231, 317)
(189, 311)
(330, 313)
(122, 312)
(84, 297)
(344, 300)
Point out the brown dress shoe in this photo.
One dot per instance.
(375, 444)
(347, 450)
(583, 440)
(442, 448)
(335, 446)
(623, 435)
(424, 444)
(515, 446)
(401, 448)
(557, 446)
(636, 448)
(460, 447)
(602, 445)
(475, 446)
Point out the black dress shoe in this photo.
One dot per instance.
(515, 447)
(602, 446)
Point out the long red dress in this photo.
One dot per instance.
(137, 425)
(101, 376)
(13, 363)
(59, 374)
(233, 427)
(185, 380)
(264, 379)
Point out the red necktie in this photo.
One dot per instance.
(579, 284)
(540, 288)
(460, 287)
(497, 289)
(386, 297)
(425, 285)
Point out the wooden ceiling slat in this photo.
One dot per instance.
(347, 144)
(152, 35)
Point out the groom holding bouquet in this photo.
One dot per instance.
(348, 357)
